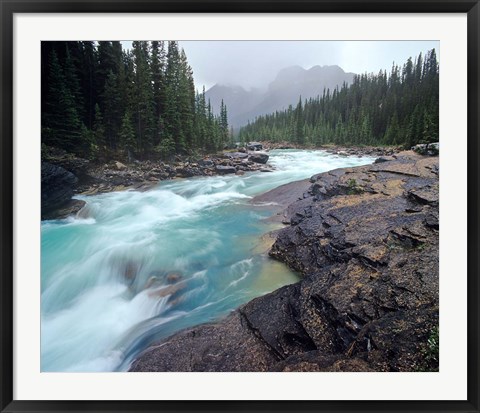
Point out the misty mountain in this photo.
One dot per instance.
(289, 84)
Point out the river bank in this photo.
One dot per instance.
(365, 241)
(65, 175)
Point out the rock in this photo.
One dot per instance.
(207, 163)
(368, 300)
(222, 170)
(57, 189)
(258, 157)
(77, 166)
(173, 277)
(185, 172)
(384, 159)
(70, 208)
(254, 146)
(120, 166)
(165, 291)
(236, 155)
(429, 149)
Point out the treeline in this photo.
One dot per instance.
(399, 108)
(100, 101)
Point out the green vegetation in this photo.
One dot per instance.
(353, 187)
(399, 108)
(430, 352)
(102, 102)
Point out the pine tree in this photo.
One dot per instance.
(73, 84)
(299, 133)
(157, 67)
(88, 68)
(171, 115)
(127, 136)
(143, 104)
(61, 124)
(100, 144)
(224, 124)
(113, 110)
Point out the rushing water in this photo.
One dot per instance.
(144, 265)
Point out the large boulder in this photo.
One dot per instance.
(57, 188)
(258, 157)
(236, 155)
(382, 159)
(254, 146)
(77, 166)
(225, 169)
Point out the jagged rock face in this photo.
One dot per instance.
(57, 188)
(366, 241)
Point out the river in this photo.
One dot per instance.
(144, 265)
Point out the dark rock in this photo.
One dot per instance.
(236, 155)
(185, 172)
(71, 207)
(222, 170)
(384, 159)
(209, 349)
(254, 146)
(207, 163)
(258, 157)
(77, 166)
(57, 189)
(429, 149)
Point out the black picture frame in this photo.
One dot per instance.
(11, 7)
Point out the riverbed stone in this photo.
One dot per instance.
(225, 169)
(258, 157)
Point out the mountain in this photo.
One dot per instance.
(289, 84)
(237, 99)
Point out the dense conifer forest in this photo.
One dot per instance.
(396, 108)
(100, 101)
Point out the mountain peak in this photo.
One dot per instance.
(289, 84)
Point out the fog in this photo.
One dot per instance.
(253, 64)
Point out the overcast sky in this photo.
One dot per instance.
(255, 63)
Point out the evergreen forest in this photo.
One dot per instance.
(396, 108)
(100, 101)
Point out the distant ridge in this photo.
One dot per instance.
(289, 84)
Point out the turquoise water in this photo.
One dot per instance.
(143, 265)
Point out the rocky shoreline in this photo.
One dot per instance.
(366, 243)
(65, 175)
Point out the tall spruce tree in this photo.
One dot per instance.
(143, 104)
